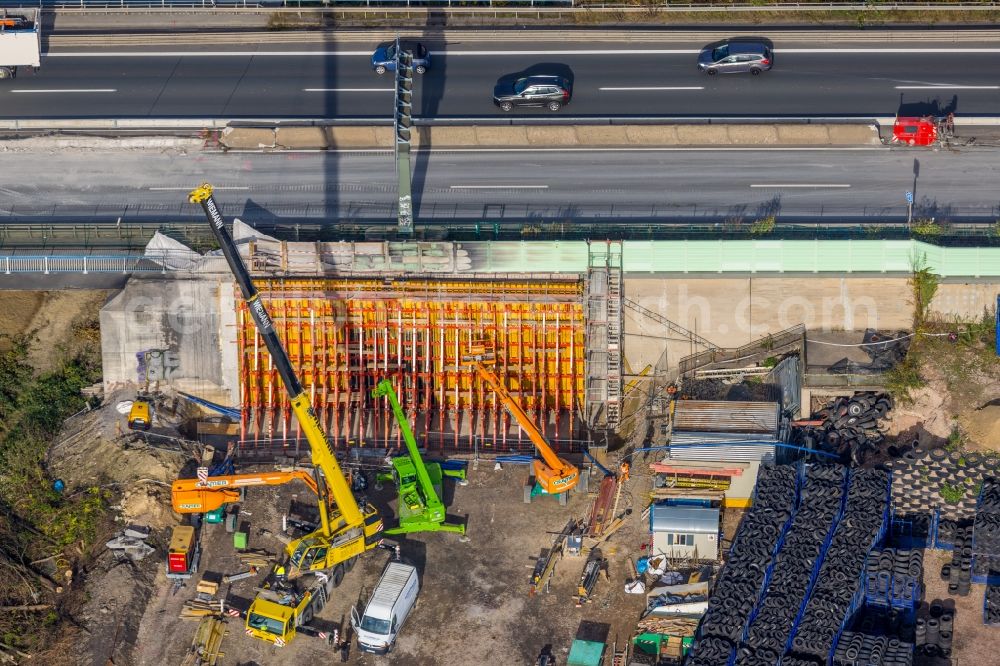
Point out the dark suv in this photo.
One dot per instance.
(736, 56)
(552, 92)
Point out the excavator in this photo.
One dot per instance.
(553, 475)
(418, 484)
(285, 606)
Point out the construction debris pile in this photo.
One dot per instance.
(884, 349)
(744, 577)
(131, 543)
(851, 427)
(796, 565)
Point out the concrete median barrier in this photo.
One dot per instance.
(569, 135)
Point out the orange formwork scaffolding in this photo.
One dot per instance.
(344, 335)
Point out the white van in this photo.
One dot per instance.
(387, 610)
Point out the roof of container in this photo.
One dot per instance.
(687, 519)
(726, 416)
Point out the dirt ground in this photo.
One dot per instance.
(473, 606)
(51, 316)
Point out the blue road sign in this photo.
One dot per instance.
(909, 197)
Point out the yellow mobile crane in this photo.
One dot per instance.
(346, 530)
(553, 475)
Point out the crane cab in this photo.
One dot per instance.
(140, 416)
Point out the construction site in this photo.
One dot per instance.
(614, 452)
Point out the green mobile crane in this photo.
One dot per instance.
(418, 484)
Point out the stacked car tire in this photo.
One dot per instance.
(836, 592)
(743, 578)
(893, 577)
(986, 534)
(819, 507)
(991, 605)
(933, 633)
(857, 649)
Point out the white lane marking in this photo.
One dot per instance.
(947, 87)
(67, 90)
(787, 185)
(660, 88)
(188, 189)
(355, 54)
(347, 89)
(499, 187)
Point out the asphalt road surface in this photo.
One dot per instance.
(633, 79)
(691, 185)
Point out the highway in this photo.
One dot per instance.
(656, 185)
(630, 79)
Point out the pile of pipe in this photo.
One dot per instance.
(837, 592)
(933, 634)
(893, 577)
(743, 578)
(851, 426)
(857, 649)
(796, 566)
(884, 349)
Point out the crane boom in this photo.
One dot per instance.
(196, 496)
(322, 456)
(554, 474)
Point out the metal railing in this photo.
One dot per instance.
(578, 5)
(81, 264)
(769, 344)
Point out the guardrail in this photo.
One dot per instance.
(82, 264)
(580, 5)
(197, 124)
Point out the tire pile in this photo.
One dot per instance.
(986, 532)
(959, 572)
(857, 649)
(991, 605)
(742, 580)
(893, 578)
(837, 587)
(819, 507)
(933, 634)
(850, 426)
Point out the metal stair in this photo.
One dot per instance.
(669, 325)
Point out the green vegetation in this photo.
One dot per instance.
(926, 228)
(954, 440)
(763, 226)
(38, 522)
(952, 494)
(906, 377)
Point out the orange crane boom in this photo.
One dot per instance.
(553, 474)
(195, 496)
